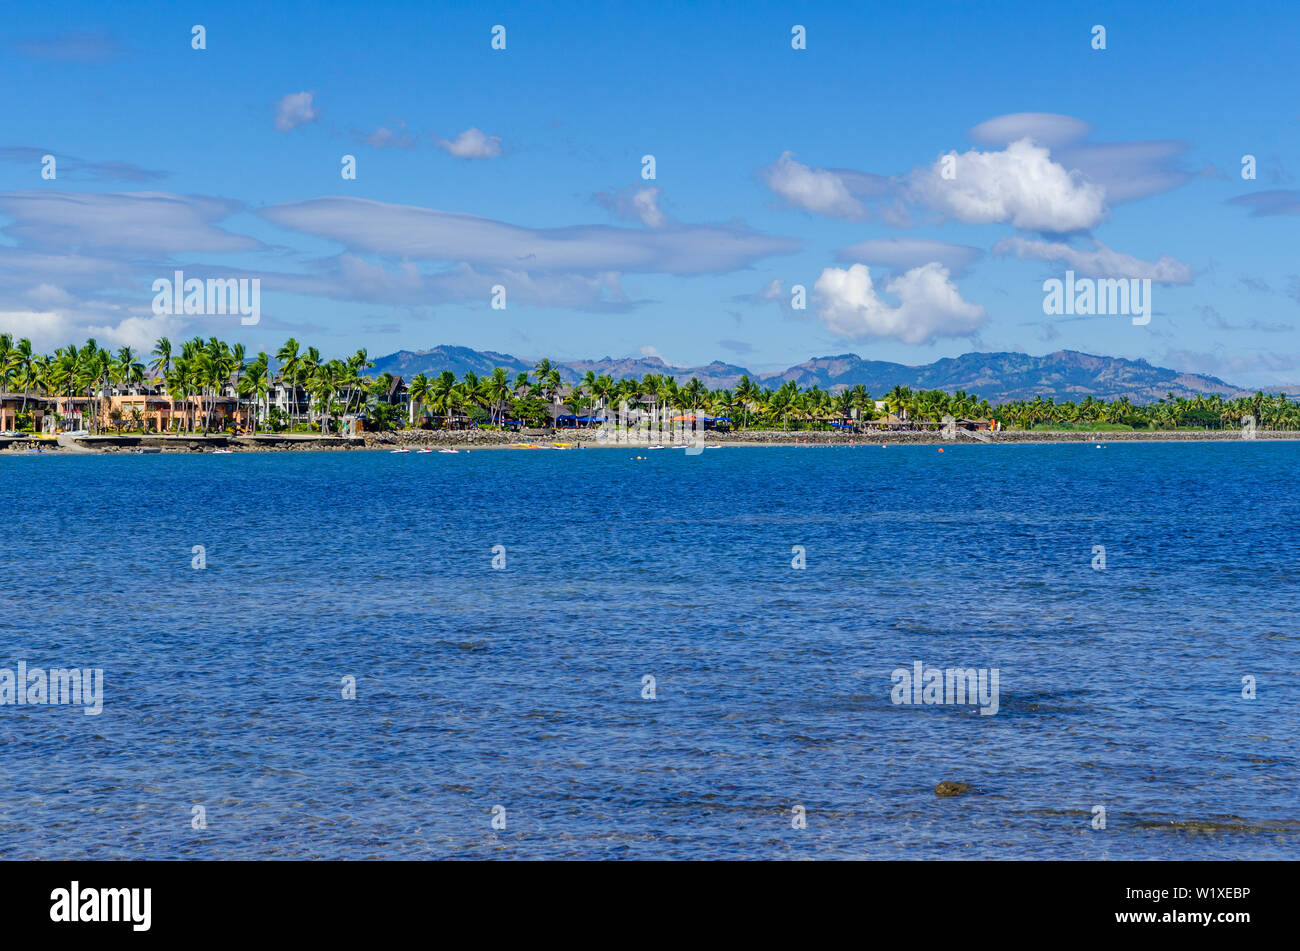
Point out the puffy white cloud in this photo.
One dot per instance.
(49, 330)
(1020, 186)
(472, 144)
(929, 305)
(294, 110)
(1100, 261)
(819, 190)
(1126, 170)
(901, 254)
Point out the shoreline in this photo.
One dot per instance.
(486, 439)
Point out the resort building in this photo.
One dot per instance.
(11, 407)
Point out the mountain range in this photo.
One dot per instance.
(997, 377)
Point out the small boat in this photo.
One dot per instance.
(403, 449)
(223, 452)
(658, 447)
(452, 451)
(424, 450)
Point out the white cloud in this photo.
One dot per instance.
(49, 330)
(92, 257)
(294, 110)
(1126, 170)
(409, 231)
(472, 144)
(929, 305)
(134, 222)
(819, 190)
(646, 203)
(384, 137)
(1100, 261)
(1129, 170)
(1045, 128)
(349, 277)
(635, 204)
(1020, 186)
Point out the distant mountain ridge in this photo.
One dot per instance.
(997, 377)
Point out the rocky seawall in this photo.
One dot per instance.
(487, 439)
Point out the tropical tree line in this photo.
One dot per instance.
(198, 372)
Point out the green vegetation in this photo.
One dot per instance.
(198, 375)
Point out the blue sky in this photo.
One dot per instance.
(775, 167)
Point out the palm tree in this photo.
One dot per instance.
(255, 385)
(496, 389)
(24, 365)
(418, 393)
(290, 372)
(443, 395)
(162, 354)
(354, 379)
(128, 369)
(548, 379)
(603, 389)
(6, 366)
(899, 401)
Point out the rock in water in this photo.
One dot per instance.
(946, 788)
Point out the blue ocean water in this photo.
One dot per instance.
(522, 687)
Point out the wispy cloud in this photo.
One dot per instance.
(410, 232)
(74, 46)
(1098, 261)
(1278, 201)
(386, 138)
(634, 203)
(73, 167)
(130, 223)
(903, 254)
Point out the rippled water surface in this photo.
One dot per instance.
(522, 687)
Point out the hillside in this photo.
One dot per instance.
(997, 377)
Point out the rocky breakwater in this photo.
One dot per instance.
(439, 437)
